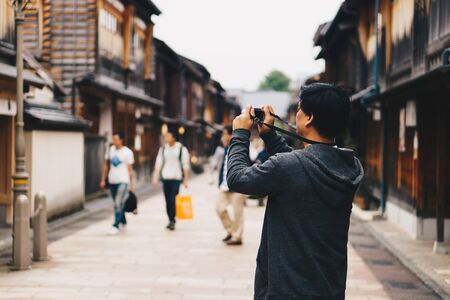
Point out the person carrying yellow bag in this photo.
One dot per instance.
(172, 168)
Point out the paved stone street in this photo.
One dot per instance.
(148, 262)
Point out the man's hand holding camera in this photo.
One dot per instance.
(246, 119)
(268, 119)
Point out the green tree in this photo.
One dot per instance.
(275, 80)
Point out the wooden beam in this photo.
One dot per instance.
(127, 34)
(97, 37)
(148, 52)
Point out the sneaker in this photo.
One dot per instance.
(113, 231)
(234, 243)
(227, 238)
(171, 226)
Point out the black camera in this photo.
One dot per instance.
(259, 114)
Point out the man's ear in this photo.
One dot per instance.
(309, 120)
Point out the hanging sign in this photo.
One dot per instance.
(8, 107)
(402, 131)
(411, 116)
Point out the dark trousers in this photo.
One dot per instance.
(171, 190)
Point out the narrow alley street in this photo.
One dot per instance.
(148, 262)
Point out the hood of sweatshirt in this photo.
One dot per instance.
(332, 170)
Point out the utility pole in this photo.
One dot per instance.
(21, 243)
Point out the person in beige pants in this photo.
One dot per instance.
(234, 226)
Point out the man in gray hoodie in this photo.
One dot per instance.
(303, 250)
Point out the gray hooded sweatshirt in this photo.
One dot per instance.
(303, 250)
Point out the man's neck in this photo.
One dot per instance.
(119, 147)
(171, 144)
(314, 136)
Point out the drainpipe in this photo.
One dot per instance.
(365, 102)
(377, 47)
(383, 183)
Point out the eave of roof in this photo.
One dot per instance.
(195, 68)
(119, 89)
(50, 117)
(232, 103)
(156, 10)
(161, 46)
(428, 76)
(346, 10)
(178, 121)
(10, 72)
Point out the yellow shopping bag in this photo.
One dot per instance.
(184, 207)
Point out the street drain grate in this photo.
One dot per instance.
(401, 285)
(381, 262)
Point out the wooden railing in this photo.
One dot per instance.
(111, 68)
(420, 32)
(136, 77)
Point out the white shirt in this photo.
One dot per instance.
(119, 160)
(172, 168)
(216, 160)
(224, 185)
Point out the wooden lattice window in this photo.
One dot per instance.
(111, 33)
(439, 25)
(6, 21)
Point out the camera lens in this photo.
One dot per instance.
(259, 114)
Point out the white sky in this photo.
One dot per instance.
(240, 41)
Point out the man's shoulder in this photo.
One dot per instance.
(294, 154)
(127, 150)
(289, 159)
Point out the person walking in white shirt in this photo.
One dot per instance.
(172, 168)
(118, 168)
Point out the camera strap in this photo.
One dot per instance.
(290, 133)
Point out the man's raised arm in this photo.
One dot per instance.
(242, 177)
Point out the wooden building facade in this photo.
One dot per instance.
(100, 52)
(111, 71)
(401, 109)
(45, 124)
(194, 105)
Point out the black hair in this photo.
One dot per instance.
(173, 132)
(330, 106)
(228, 129)
(120, 134)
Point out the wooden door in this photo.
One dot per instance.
(5, 159)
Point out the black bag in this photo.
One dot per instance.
(131, 203)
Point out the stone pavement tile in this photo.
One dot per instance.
(416, 254)
(209, 297)
(148, 262)
(16, 295)
(162, 296)
(77, 296)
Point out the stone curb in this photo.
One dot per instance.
(408, 263)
